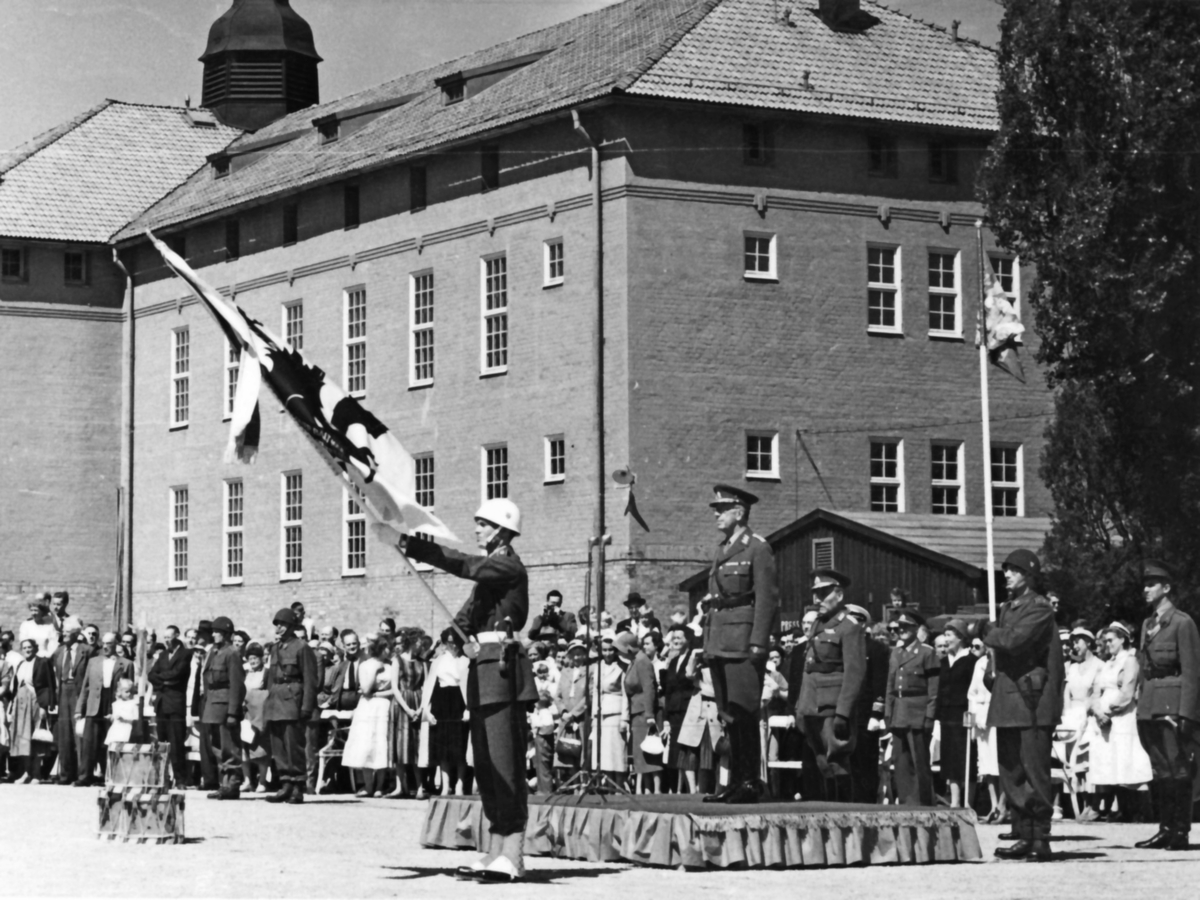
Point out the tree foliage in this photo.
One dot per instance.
(1095, 178)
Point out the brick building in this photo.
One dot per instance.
(788, 276)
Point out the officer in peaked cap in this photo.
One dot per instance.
(835, 670)
(292, 685)
(1026, 705)
(911, 709)
(744, 614)
(224, 697)
(1168, 713)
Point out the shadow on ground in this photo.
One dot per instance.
(533, 876)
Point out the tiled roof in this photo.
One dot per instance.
(727, 51)
(87, 178)
(960, 537)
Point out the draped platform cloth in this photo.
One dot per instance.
(674, 830)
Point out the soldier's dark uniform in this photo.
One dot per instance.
(744, 612)
(909, 712)
(224, 696)
(835, 669)
(291, 684)
(1169, 685)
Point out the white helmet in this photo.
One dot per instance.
(501, 511)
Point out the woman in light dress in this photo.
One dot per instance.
(369, 743)
(444, 704)
(1117, 761)
(1073, 734)
(613, 757)
(979, 698)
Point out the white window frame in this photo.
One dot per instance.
(418, 490)
(548, 447)
(354, 528)
(292, 314)
(355, 339)
(957, 483)
(884, 481)
(484, 466)
(177, 535)
(424, 329)
(549, 279)
(488, 315)
(772, 274)
(286, 523)
(1013, 292)
(1018, 485)
(956, 293)
(771, 474)
(233, 530)
(181, 370)
(231, 368)
(896, 288)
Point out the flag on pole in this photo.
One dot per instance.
(357, 446)
(1003, 330)
(632, 510)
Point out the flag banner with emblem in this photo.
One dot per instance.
(354, 443)
(631, 509)
(1003, 330)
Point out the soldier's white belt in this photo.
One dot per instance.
(491, 637)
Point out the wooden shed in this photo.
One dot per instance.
(939, 560)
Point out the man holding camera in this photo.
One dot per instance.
(553, 623)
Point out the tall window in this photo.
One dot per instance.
(758, 144)
(883, 159)
(943, 161)
(418, 195)
(356, 341)
(489, 166)
(762, 454)
(75, 267)
(233, 239)
(292, 562)
(293, 324)
(178, 575)
(944, 300)
(1008, 273)
(887, 476)
(1007, 481)
(350, 210)
(354, 532)
(233, 362)
(420, 348)
(495, 471)
(883, 289)
(759, 255)
(291, 224)
(946, 479)
(235, 517)
(495, 314)
(12, 263)
(552, 263)
(181, 366)
(556, 458)
(424, 480)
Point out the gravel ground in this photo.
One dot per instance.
(342, 847)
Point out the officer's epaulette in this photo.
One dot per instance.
(745, 539)
(840, 616)
(761, 538)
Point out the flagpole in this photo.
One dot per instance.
(987, 428)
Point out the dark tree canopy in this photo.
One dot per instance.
(1095, 178)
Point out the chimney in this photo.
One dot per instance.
(954, 29)
(839, 13)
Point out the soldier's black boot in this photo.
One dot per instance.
(297, 793)
(232, 788)
(1181, 815)
(285, 791)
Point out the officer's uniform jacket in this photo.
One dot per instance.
(835, 667)
(1029, 671)
(745, 608)
(224, 685)
(291, 681)
(1169, 660)
(912, 686)
(501, 592)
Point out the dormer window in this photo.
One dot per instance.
(454, 88)
(220, 165)
(328, 128)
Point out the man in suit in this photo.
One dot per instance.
(70, 663)
(224, 697)
(338, 690)
(910, 710)
(291, 683)
(201, 643)
(1026, 704)
(641, 620)
(1168, 712)
(94, 705)
(169, 676)
(744, 617)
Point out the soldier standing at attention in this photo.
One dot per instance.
(835, 672)
(1026, 705)
(744, 613)
(500, 684)
(910, 710)
(1168, 712)
(292, 685)
(224, 693)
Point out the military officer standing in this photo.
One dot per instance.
(835, 670)
(864, 761)
(744, 613)
(1026, 704)
(224, 694)
(500, 683)
(909, 712)
(292, 685)
(1168, 711)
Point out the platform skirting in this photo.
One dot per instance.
(674, 830)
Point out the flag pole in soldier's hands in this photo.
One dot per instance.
(437, 601)
(981, 344)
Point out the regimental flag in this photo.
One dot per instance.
(1003, 330)
(632, 510)
(356, 445)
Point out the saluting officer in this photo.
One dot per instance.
(224, 693)
(1168, 710)
(744, 613)
(835, 670)
(1026, 704)
(292, 684)
(500, 684)
(909, 712)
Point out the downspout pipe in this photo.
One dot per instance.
(125, 576)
